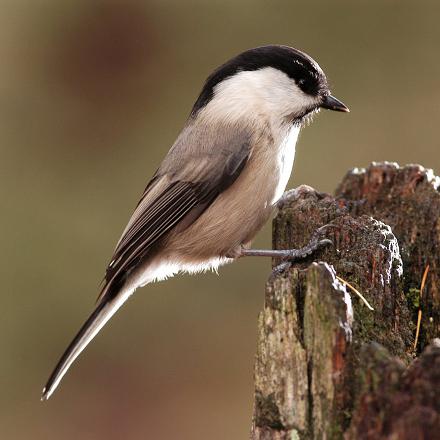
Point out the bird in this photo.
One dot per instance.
(219, 183)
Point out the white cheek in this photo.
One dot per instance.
(285, 158)
(295, 101)
(248, 94)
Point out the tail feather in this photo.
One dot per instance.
(105, 309)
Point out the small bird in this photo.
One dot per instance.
(219, 182)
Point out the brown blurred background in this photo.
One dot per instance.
(92, 95)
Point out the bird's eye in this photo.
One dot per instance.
(301, 81)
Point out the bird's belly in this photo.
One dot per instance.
(238, 213)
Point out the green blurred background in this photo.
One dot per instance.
(92, 94)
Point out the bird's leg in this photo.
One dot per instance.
(289, 255)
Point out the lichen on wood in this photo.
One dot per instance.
(408, 200)
(301, 344)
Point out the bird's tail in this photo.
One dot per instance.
(105, 309)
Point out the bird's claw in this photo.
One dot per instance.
(281, 268)
(297, 254)
(323, 229)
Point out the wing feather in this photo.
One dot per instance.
(153, 219)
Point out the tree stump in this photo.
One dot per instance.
(327, 367)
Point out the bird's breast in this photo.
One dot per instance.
(240, 211)
(283, 161)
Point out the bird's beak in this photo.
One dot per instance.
(331, 103)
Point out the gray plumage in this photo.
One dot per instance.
(220, 181)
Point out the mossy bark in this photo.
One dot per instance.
(408, 200)
(327, 367)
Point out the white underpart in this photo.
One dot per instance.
(166, 269)
(285, 157)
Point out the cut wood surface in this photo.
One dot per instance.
(327, 367)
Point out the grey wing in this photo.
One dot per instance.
(189, 180)
(178, 194)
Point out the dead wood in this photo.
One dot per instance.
(327, 367)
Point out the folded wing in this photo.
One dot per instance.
(178, 202)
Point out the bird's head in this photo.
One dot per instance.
(277, 81)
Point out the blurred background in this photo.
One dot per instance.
(92, 95)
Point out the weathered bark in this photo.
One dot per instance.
(395, 402)
(328, 367)
(407, 199)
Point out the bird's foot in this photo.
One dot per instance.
(290, 256)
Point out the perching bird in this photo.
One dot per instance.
(220, 181)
